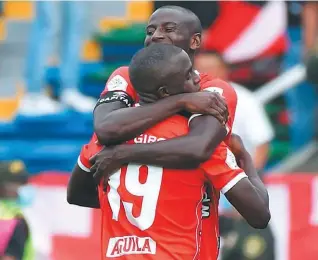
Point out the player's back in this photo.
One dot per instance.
(150, 212)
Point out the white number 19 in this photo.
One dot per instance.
(149, 191)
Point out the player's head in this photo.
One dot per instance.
(175, 25)
(213, 63)
(162, 70)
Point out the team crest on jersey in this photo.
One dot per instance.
(130, 245)
(146, 139)
(117, 83)
(230, 160)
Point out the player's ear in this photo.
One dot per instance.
(163, 92)
(195, 41)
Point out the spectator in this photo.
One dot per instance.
(251, 123)
(35, 102)
(15, 239)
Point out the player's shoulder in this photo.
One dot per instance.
(123, 70)
(213, 84)
(119, 79)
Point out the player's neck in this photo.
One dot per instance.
(147, 99)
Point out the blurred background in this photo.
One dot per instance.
(55, 58)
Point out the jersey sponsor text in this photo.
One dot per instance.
(144, 139)
(129, 245)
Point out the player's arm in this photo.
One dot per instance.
(246, 163)
(115, 124)
(82, 189)
(185, 152)
(250, 198)
(241, 186)
(116, 121)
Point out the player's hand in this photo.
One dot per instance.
(207, 103)
(104, 164)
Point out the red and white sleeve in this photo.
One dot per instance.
(87, 152)
(222, 170)
(83, 159)
(119, 81)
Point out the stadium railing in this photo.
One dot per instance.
(289, 79)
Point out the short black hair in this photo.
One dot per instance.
(192, 19)
(149, 66)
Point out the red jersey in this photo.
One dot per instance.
(119, 81)
(154, 213)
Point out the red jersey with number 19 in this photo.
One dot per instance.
(149, 212)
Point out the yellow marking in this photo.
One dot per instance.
(20, 10)
(139, 11)
(112, 22)
(3, 31)
(9, 106)
(91, 51)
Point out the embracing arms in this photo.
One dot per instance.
(249, 196)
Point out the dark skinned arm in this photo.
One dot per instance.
(82, 190)
(249, 196)
(115, 124)
(186, 152)
(251, 201)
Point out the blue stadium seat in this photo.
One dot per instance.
(68, 124)
(60, 154)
